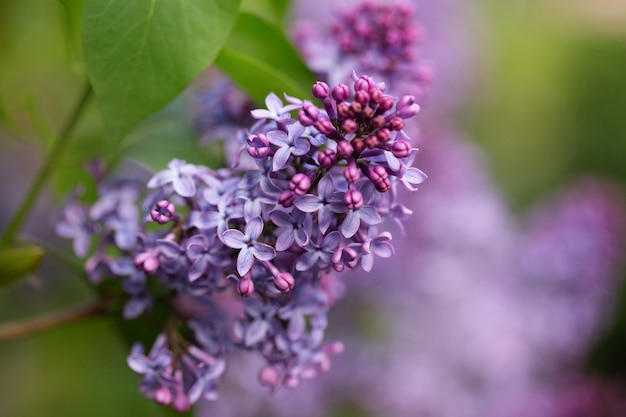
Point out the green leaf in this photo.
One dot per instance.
(260, 59)
(141, 54)
(18, 261)
(271, 10)
(72, 11)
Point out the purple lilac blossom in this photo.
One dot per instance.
(266, 238)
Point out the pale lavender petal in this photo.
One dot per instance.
(383, 249)
(273, 103)
(325, 217)
(326, 187)
(301, 147)
(254, 228)
(285, 239)
(306, 261)
(261, 114)
(297, 326)
(278, 138)
(392, 161)
(331, 241)
(280, 218)
(168, 248)
(280, 159)
(308, 203)
(367, 262)
(198, 268)
(369, 215)
(302, 239)
(262, 251)
(245, 259)
(184, 186)
(138, 363)
(256, 332)
(160, 178)
(233, 238)
(413, 176)
(350, 224)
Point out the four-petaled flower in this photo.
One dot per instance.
(249, 247)
(288, 143)
(181, 175)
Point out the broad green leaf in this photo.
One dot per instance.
(260, 59)
(271, 10)
(18, 261)
(141, 54)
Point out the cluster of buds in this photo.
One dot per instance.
(245, 257)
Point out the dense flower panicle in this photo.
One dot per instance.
(251, 248)
(378, 39)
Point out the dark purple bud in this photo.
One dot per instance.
(362, 97)
(284, 281)
(163, 212)
(383, 135)
(368, 112)
(352, 172)
(341, 93)
(358, 145)
(147, 261)
(385, 103)
(353, 199)
(376, 94)
(349, 126)
(258, 146)
(320, 90)
(401, 148)
(327, 158)
(308, 114)
(286, 199)
(300, 184)
(378, 121)
(245, 287)
(343, 110)
(344, 149)
(371, 141)
(324, 126)
(407, 107)
(396, 123)
(356, 107)
(269, 376)
(379, 177)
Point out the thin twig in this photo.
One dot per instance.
(29, 326)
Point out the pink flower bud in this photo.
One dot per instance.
(320, 90)
(284, 281)
(349, 126)
(163, 212)
(286, 199)
(379, 177)
(352, 172)
(362, 97)
(396, 123)
(385, 103)
(245, 287)
(163, 396)
(341, 93)
(324, 126)
(327, 158)
(258, 146)
(300, 184)
(407, 107)
(344, 149)
(308, 114)
(353, 199)
(401, 148)
(269, 376)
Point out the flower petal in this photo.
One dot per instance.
(262, 251)
(350, 224)
(245, 260)
(233, 238)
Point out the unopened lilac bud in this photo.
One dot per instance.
(324, 126)
(343, 110)
(327, 158)
(378, 121)
(362, 97)
(383, 135)
(364, 83)
(341, 93)
(163, 396)
(284, 281)
(379, 177)
(163, 212)
(371, 141)
(407, 107)
(286, 199)
(334, 348)
(358, 145)
(344, 256)
(320, 90)
(396, 123)
(356, 107)
(269, 376)
(291, 381)
(300, 184)
(368, 112)
(401, 148)
(353, 199)
(147, 261)
(344, 149)
(308, 114)
(385, 103)
(245, 287)
(352, 172)
(349, 126)
(258, 146)
(375, 94)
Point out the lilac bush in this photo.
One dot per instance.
(243, 256)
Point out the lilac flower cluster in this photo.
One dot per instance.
(244, 258)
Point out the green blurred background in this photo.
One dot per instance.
(550, 105)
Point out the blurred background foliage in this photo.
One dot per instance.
(550, 105)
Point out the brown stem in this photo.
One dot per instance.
(29, 326)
